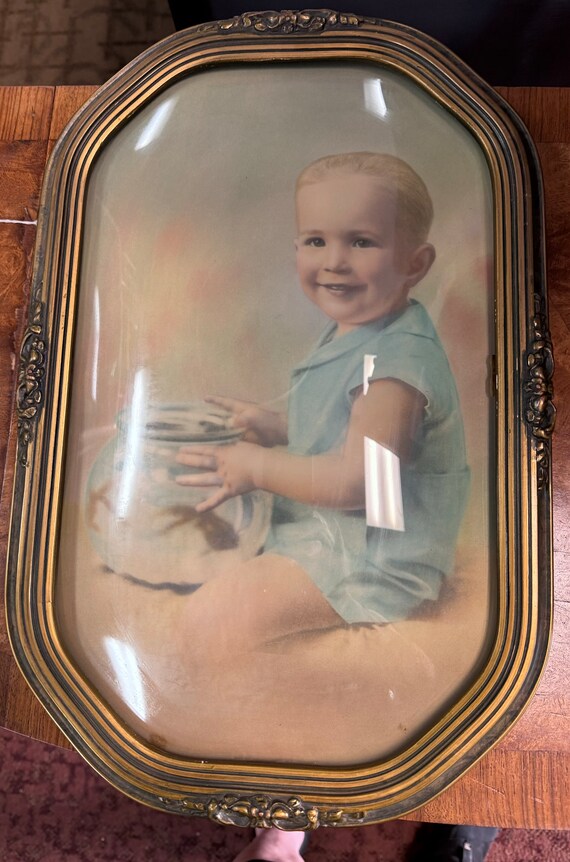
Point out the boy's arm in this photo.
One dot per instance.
(388, 414)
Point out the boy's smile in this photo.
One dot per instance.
(351, 260)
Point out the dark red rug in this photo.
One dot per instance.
(54, 808)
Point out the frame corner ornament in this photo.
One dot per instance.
(539, 409)
(284, 22)
(263, 812)
(29, 393)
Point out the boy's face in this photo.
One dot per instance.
(351, 262)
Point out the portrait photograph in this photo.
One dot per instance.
(278, 534)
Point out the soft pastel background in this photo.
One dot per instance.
(190, 226)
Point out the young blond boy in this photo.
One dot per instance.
(363, 221)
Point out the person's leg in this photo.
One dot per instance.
(273, 845)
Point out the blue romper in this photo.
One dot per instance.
(372, 574)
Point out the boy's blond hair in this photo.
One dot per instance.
(414, 208)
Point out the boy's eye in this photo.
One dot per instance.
(316, 241)
(363, 242)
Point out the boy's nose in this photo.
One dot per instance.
(336, 259)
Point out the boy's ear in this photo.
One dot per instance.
(296, 244)
(419, 263)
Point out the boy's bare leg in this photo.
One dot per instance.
(267, 598)
(273, 845)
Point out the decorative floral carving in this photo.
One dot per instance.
(287, 21)
(540, 412)
(30, 377)
(262, 812)
(542, 463)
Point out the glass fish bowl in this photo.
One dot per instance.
(144, 525)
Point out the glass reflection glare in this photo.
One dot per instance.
(374, 101)
(133, 443)
(382, 481)
(384, 507)
(123, 659)
(156, 124)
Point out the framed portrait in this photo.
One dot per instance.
(280, 549)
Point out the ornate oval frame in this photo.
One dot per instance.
(250, 794)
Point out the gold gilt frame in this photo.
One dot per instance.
(285, 793)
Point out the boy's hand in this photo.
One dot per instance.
(233, 469)
(265, 427)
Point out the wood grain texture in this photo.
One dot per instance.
(507, 788)
(25, 113)
(22, 165)
(523, 781)
(545, 111)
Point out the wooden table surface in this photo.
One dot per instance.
(525, 780)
